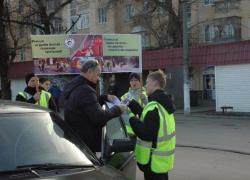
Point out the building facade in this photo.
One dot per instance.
(209, 22)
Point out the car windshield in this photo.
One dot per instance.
(39, 138)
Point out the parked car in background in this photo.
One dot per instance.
(37, 143)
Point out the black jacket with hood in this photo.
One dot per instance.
(83, 111)
(148, 130)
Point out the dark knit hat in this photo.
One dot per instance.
(28, 77)
(134, 75)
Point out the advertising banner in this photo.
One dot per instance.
(65, 54)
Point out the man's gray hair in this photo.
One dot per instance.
(89, 64)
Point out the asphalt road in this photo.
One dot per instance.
(211, 148)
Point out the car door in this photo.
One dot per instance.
(117, 147)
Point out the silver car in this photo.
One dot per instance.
(37, 143)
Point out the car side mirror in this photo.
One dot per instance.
(122, 145)
(118, 145)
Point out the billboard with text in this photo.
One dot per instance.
(65, 54)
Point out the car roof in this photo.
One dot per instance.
(7, 106)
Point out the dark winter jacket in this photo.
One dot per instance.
(55, 91)
(148, 130)
(83, 111)
(32, 92)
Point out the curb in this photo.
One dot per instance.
(214, 116)
(214, 149)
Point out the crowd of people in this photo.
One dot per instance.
(147, 112)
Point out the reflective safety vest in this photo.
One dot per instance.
(44, 101)
(161, 156)
(128, 127)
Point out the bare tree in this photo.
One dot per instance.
(29, 15)
(167, 27)
(4, 57)
(163, 21)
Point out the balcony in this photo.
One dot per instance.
(226, 5)
(227, 29)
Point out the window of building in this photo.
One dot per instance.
(225, 5)
(57, 26)
(22, 55)
(83, 22)
(160, 9)
(249, 27)
(129, 11)
(20, 6)
(21, 32)
(50, 5)
(39, 31)
(84, 5)
(229, 27)
(145, 7)
(144, 40)
(101, 16)
(74, 28)
(73, 8)
(208, 33)
(210, 82)
(57, 3)
(208, 2)
(189, 22)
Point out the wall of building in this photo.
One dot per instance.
(198, 78)
(232, 87)
(94, 26)
(205, 14)
(17, 85)
(244, 8)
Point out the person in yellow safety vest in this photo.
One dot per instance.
(134, 92)
(155, 130)
(30, 95)
(45, 85)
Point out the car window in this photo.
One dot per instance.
(39, 138)
(115, 130)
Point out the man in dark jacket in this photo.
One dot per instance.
(155, 130)
(83, 108)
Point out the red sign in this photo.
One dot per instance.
(98, 41)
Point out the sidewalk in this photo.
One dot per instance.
(207, 109)
(207, 106)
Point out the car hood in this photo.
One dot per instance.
(105, 172)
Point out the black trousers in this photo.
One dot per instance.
(154, 176)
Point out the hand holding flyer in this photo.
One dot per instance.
(116, 101)
(126, 100)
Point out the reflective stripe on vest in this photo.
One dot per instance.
(44, 101)
(162, 156)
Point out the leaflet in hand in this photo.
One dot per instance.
(116, 101)
(126, 102)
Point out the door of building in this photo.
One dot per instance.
(209, 83)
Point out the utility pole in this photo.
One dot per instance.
(185, 59)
